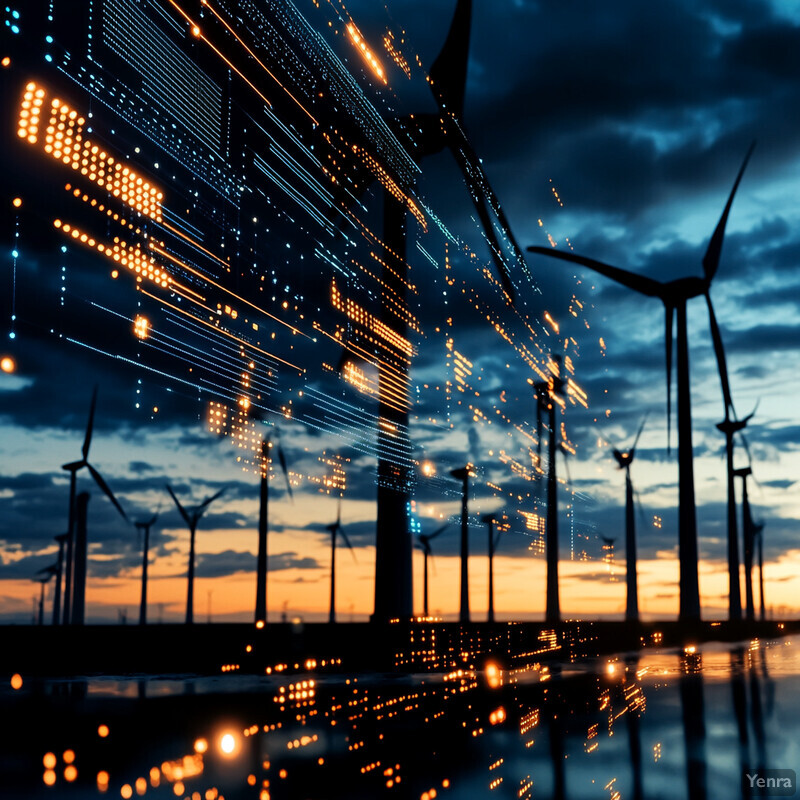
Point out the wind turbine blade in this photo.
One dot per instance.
(719, 351)
(98, 479)
(152, 520)
(642, 517)
(339, 513)
(669, 311)
(712, 256)
(438, 531)
(639, 283)
(209, 500)
(282, 460)
(479, 189)
(753, 412)
(87, 441)
(185, 516)
(347, 542)
(638, 434)
(448, 72)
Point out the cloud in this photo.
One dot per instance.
(230, 562)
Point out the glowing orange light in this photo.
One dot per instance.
(200, 746)
(49, 760)
(228, 744)
(70, 773)
(17, 202)
(102, 780)
(7, 364)
(6, 61)
(428, 468)
(141, 786)
(69, 756)
(141, 327)
(260, 624)
(126, 791)
(103, 731)
(49, 777)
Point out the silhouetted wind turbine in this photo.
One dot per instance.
(334, 528)
(463, 474)
(73, 468)
(546, 392)
(43, 577)
(262, 565)
(493, 540)
(191, 516)
(624, 460)
(729, 428)
(61, 539)
(674, 295)
(425, 540)
(758, 530)
(143, 526)
(423, 135)
(748, 528)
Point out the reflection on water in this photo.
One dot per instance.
(543, 723)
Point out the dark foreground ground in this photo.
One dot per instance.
(588, 711)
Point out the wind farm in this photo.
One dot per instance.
(335, 277)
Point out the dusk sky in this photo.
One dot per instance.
(616, 129)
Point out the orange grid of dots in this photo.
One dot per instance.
(30, 113)
(369, 321)
(64, 141)
(137, 262)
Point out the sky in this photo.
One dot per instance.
(614, 129)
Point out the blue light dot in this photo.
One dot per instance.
(48, 39)
(15, 253)
(48, 57)
(15, 14)
(14, 29)
(12, 335)
(63, 248)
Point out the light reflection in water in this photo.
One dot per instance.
(679, 724)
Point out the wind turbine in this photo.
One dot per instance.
(748, 527)
(424, 135)
(546, 394)
(334, 528)
(674, 295)
(493, 540)
(425, 540)
(61, 539)
(43, 577)
(758, 530)
(73, 468)
(191, 516)
(624, 460)
(463, 474)
(143, 526)
(263, 527)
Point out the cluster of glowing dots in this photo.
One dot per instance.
(30, 113)
(70, 770)
(121, 253)
(64, 141)
(366, 53)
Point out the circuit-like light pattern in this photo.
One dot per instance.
(268, 278)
